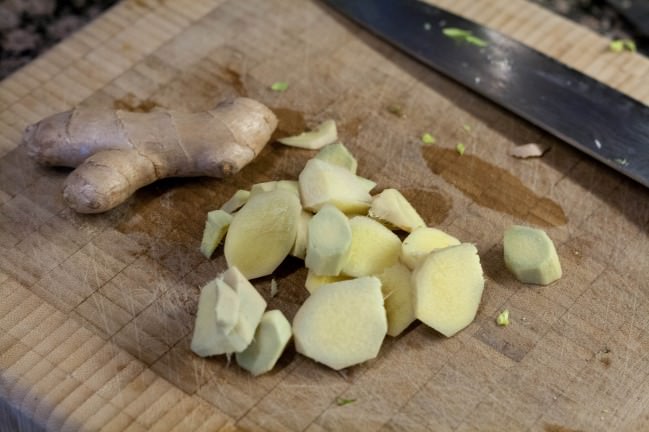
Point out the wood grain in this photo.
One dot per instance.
(97, 311)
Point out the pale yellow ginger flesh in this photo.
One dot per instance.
(117, 152)
(313, 281)
(216, 226)
(271, 337)
(214, 332)
(323, 183)
(289, 185)
(448, 287)
(397, 290)
(323, 134)
(342, 324)
(251, 308)
(365, 183)
(392, 207)
(227, 306)
(328, 241)
(531, 256)
(237, 200)
(263, 187)
(363, 282)
(299, 247)
(207, 340)
(423, 241)
(373, 248)
(263, 232)
(338, 154)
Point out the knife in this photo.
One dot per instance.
(598, 120)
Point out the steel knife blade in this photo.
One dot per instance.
(595, 118)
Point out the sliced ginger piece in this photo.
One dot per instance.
(299, 247)
(392, 207)
(366, 184)
(313, 281)
(448, 287)
(325, 133)
(206, 339)
(423, 241)
(289, 185)
(324, 183)
(328, 241)
(263, 233)
(227, 307)
(263, 187)
(271, 337)
(373, 248)
(342, 324)
(229, 310)
(237, 200)
(530, 255)
(251, 308)
(216, 226)
(338, 154)
(396, 286)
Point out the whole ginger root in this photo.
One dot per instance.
(117, 152)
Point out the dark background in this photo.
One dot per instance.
(29, 27)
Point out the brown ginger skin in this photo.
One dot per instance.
(117, 152)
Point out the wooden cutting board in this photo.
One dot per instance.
(96, 312)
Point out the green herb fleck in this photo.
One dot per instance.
(630, 45)
(460, 148)
(503, 318)
(279, 86)
(474, 40)
(619, 45)
(464, 36)
(466, 127)
(396, 110)
(342, 402)
(428, 138)
(455, 33)
(622, 161)
(616, 45)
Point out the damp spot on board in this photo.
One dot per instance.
(131, 103)
(350, 128)
(558, 428)
(431, 204)
(289, 122)
(493, 187)
(234, 78)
